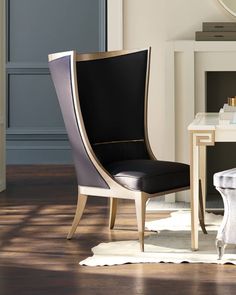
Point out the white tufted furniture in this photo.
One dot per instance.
(225, 183)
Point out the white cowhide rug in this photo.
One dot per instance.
(171, 243)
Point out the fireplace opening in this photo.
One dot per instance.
(219, 86)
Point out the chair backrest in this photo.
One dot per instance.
(112, 93)
(103, 102)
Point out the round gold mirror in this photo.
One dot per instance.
(229, 5)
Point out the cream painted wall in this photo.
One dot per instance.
(114, 25)
(152, 23)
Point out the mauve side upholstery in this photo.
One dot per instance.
(87, 174)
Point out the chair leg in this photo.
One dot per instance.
(140, 206)
(82, 199)
(113, 210)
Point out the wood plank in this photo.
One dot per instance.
(36, 212)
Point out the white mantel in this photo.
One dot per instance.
(186, 65)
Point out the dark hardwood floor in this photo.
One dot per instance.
(36, 212)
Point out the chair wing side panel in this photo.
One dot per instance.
(87, 174)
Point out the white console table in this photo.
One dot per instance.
(204, 131)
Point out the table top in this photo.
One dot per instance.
(208, 121)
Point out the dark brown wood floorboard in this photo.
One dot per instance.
(36, 212)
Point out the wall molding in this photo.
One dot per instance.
(27, 65)
(102, 24)
(39, 147)
(33, 138)
(36, 131)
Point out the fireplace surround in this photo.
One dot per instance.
(191, 67)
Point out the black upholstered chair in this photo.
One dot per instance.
(103, 98)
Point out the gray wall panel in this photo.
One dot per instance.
(40, 27)
(35, 28)
(32, 102)
(40, 154)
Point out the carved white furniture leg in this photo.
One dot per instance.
(225, 183)
(205, 129)
(199, 140)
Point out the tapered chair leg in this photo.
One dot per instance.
(113, 210)
(140, 206)
(82, 199)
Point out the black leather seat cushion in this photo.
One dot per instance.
(150, 176)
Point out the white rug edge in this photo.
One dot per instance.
(95, 260)
(159, 257)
